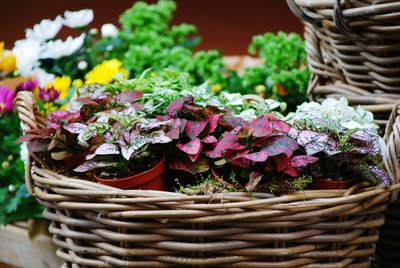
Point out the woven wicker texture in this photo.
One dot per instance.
(100, 226)
(353, 49)
(388, 246)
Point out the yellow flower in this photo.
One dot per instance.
(61, 84)
(49, 107)
(1, 49)
(104, 73)
(8, 62)
(77, 83)
(280, 90)
(216, 88)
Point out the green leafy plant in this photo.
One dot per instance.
(283, 75)
(148, 41)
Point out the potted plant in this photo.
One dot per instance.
(344, 139)
(126, 152)
(240, 154)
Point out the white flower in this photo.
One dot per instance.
(109, 30)
(82, 65)
(93, 31)
(78, 19)
(11, 188)
(58, 48)
(45, 30)
(27, 53)
(24, 152)
(42, 76)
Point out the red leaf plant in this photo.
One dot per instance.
(259, 151)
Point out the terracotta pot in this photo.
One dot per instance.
(152, 179)
(331, 184)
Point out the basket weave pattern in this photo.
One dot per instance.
(100, 226)
(353, 49)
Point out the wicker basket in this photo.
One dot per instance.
(353, 49)
(97, 225)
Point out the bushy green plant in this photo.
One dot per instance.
(15, 203)
(283, 75)
(148, 41)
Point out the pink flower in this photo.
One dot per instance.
(48, 94)
(54, 119)
(6, 99)
(28, 85)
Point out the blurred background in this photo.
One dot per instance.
(227, 25)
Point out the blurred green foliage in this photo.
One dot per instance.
(15, 202)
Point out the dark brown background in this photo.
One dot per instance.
(224, 24)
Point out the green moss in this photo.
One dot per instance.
(279, 186)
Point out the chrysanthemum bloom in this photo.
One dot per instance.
(28, 85)
(61, 84)
(78, 19)
(104, 73)
(7, 60)
(6, 99)
(48, 94)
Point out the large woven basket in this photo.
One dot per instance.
(100, 226)
(353, 49)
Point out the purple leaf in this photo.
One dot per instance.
(213, 122)
(163, 117)
(75, 128)
(107, 149)
(315, 142)
(177, 126)
(260, 156)
(283, 165)
(193, 128)
(183, 165)
(192, 147)
(280, 145)
(235, 121)
(176, 106)
(28, 137)
(209, 139)
(268, 124)
(195, 156)
(241, 163)
(302, 160)
(260, 127)
(38, 145)
(128, 96)
(380, 174)
(231, 155)
(90, 165)
(365, 143)
(228, 141)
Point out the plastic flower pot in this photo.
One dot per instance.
(152, 179)
(331, 184)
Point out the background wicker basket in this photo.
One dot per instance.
(97, 225)
(353, 49)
